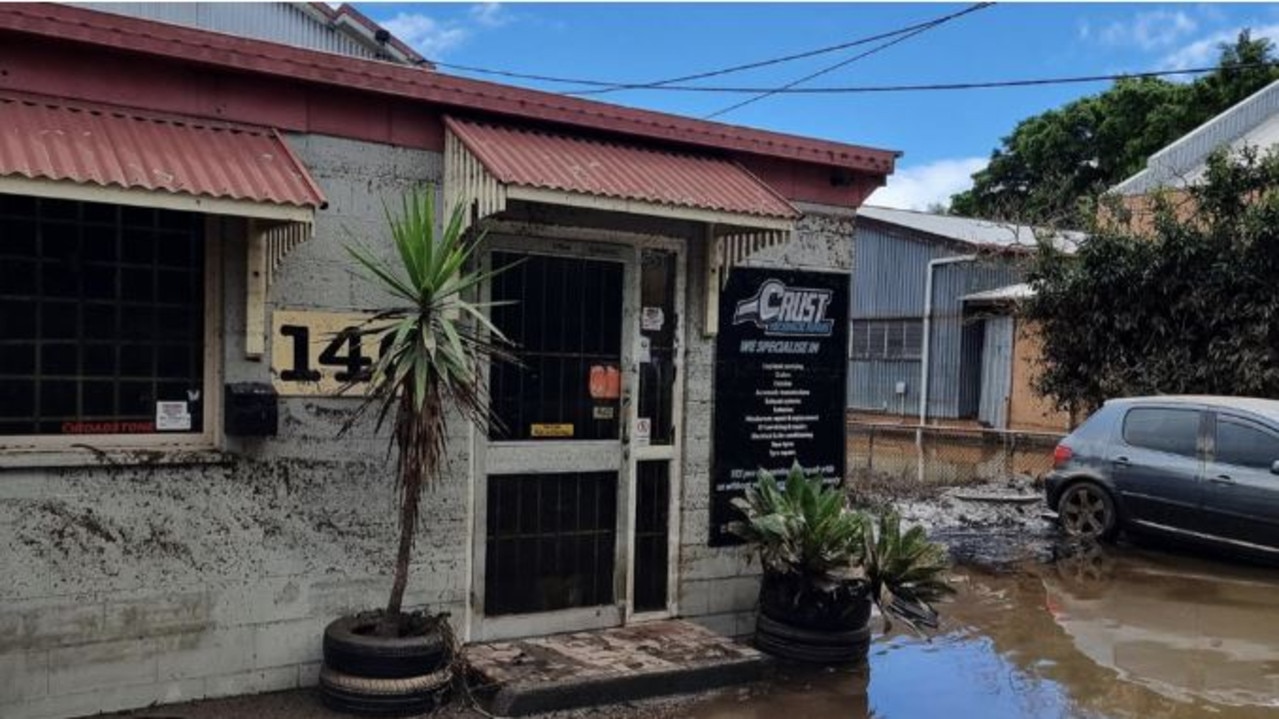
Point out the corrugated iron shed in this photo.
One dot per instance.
(972, 231)
(543, 160)
(1253, 121)
(55, 140)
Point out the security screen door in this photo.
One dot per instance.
(571, 529)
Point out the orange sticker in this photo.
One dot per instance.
(605, 382)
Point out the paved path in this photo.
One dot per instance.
(623, 664)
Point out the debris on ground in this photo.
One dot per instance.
(996, 525)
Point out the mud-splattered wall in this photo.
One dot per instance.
(136, 583)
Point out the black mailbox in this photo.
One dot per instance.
(251, 409)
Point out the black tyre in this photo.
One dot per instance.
(1087, 511)
(383, 697)
(350, 647)
(807, 645)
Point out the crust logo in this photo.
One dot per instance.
(787, 311)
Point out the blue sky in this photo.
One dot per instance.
(945, 135)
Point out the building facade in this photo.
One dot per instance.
(920, 300)
(181, 510)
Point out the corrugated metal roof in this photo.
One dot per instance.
(172, 42)
(969, 230)
(98, 145)
(533, 158)
(1252, 121)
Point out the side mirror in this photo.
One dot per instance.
(1274, 468)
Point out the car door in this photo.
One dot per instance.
(1158, 465)
(1241, 494)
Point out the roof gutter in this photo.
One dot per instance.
(925, 359)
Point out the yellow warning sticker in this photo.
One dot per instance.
(552, 430)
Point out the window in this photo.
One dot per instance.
(1245, 445)
(1163, 430)
(101, 319)
(564, 315)
(887, 339)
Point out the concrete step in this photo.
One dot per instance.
(609, 666)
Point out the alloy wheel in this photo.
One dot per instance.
(1085, 511)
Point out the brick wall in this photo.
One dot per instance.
(1027, 410)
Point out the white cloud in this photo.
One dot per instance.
(916, 188)
(1149, 30)
(426, 34)
(1205, 52)
(490, 14)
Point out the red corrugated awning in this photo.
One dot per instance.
(539, 160)
(59, 148)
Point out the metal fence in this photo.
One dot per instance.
(945, 456)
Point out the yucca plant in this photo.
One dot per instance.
(436, 340)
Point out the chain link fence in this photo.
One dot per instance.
(904, 460)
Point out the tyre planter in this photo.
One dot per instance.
(384, 697)
(803, 624)
(384, 676)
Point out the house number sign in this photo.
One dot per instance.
(317, 353)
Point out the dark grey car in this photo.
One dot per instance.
(1199, 468)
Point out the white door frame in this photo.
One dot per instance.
(510, 457)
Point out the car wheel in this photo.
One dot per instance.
(1086, 510)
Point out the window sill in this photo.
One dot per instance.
(83, 456)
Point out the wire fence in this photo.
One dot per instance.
(901, 455)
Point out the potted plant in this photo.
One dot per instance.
(825, 564)
(434, 344)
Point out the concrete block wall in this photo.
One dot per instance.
(136, 583)
(719, 587)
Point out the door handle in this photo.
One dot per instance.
(1221, 479)
(1121, 460)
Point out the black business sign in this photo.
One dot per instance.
(780, 368)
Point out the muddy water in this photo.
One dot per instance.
(1128, 634)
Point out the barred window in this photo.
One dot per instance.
(101, 319)
(898, 339)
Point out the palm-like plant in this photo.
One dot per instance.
(906, 572)
(826, 555)
(801, 528)
(435, 343)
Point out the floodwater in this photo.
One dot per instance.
(1120, 633)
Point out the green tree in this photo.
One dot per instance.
(1190, 307)
(1053, 165)
(435, 344)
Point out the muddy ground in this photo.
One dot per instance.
(305, 704)
(994, 525)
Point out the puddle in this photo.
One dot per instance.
(1129, 633)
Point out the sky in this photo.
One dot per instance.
(944, 136)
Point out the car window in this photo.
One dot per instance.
(1245, 445)
(1165, 430)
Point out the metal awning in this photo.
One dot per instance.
(97, 153)
(486, 165)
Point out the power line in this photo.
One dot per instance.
(976, 85)
(762, 63)
(606, 86)
(878, 48)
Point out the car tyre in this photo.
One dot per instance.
(1087, 511)
(351, 647)
(384, 697)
